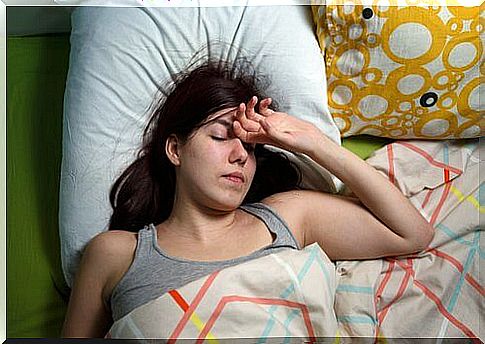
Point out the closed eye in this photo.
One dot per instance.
(247, 146)
(218, 138)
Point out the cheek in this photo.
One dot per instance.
(210, 157)
(252, 165)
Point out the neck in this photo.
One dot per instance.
(195, 222)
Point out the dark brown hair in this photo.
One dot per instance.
(144, 192)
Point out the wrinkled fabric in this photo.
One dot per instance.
(438, 292)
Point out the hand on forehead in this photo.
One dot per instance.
(230, 114)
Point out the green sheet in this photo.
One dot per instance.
(36, 73)
(364, 145)
(36, 291)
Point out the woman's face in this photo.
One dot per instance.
(216, 168)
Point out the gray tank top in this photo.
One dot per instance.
(153, 272)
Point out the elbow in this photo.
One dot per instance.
(424, 238)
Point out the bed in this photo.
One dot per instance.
(441, 285)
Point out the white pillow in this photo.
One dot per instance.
(118, 58)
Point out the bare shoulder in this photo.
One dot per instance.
(109, 241)
(111, 253)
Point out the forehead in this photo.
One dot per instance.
(224, 117)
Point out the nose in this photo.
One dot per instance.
(238, 152)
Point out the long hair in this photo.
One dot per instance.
(144, 192)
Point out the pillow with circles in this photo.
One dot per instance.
(119, 58)
(403, 71)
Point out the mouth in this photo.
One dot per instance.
(235, 177)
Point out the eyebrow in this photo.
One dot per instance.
(223, 122)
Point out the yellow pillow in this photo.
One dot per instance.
(409, 71)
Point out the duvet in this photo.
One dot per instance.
(285, 294)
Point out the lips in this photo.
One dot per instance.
(236, 177)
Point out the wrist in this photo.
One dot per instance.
(322, 148)
(332, 156)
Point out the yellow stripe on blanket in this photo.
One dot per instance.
(469, 198)
(200, 326)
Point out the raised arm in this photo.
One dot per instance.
(381, 222)
(393, 224)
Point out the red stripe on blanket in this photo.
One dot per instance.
(469, 278)
(443, 198)
(179, 300)
(266, 301)
(458, 324)
(380, 289)
(185, 318)
(475, 284)
(390, 158)
(430, 158)
(447, 257)
(383, 312)
(426, 198)
(462, 327)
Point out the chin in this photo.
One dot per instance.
(229, 203)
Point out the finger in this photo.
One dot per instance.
(247, 136)
(250, 113)
(240, 113)
(240, 109)
(250, 110)
(263, 107)
(239, 130)
(243, 113)
(255, 138)
(246, 124)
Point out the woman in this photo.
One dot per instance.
(188, 200)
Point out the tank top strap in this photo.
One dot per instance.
(142, 253)
(275, 223)
(144, 248)
(145, 243)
